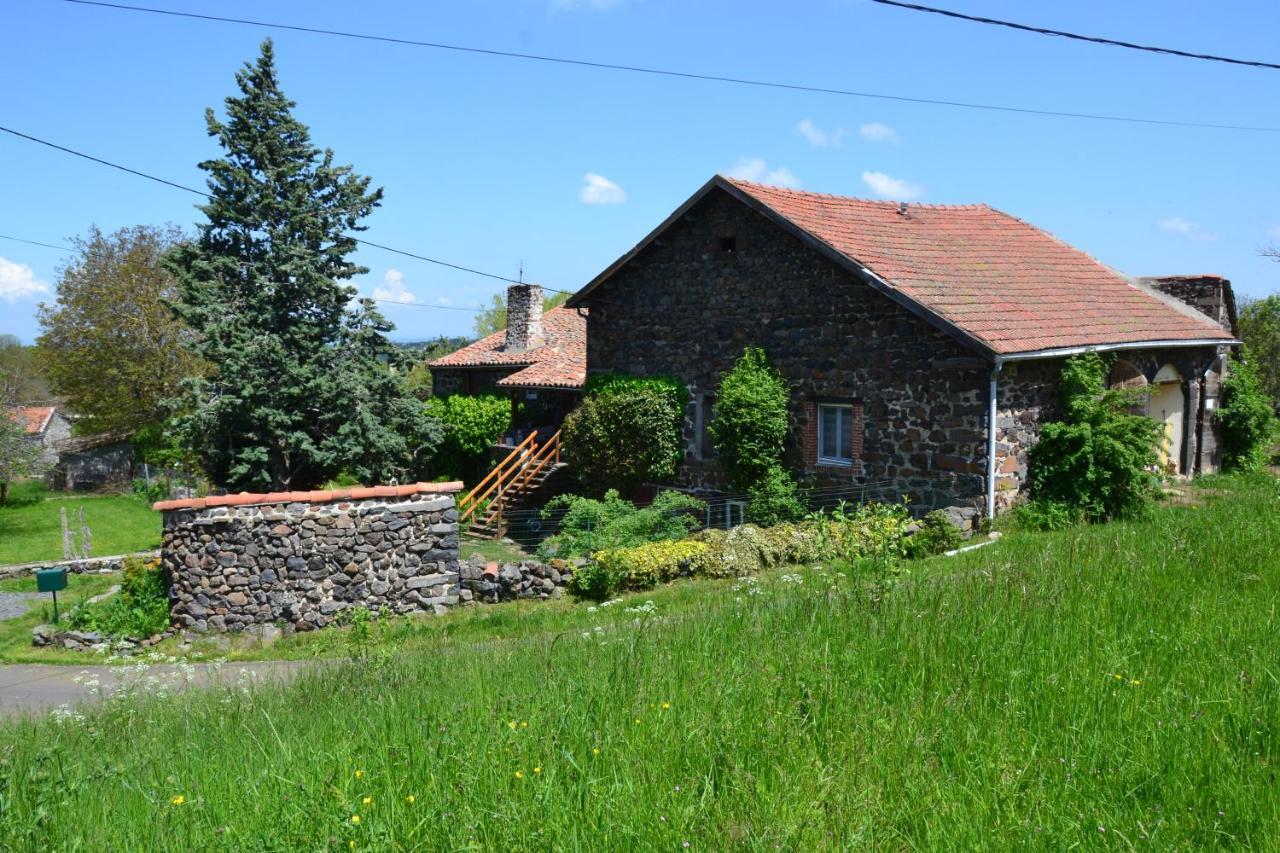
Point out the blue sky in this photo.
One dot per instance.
(494, 162)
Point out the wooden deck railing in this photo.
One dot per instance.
(501, 474)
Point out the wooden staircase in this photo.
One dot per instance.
(511, 483)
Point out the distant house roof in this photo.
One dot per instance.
(993, 280)
(561, 362)
(34, 420)
(85, 443)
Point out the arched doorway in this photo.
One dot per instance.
(1167, 406)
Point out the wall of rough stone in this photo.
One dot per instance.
(301, 558)
(685, 307)
(468, 380)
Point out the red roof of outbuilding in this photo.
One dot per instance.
(34, 420)
(561, 362)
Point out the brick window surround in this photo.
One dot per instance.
(810, 438)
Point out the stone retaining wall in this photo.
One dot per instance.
(301, 558)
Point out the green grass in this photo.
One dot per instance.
(15, 634)
(1102, 688)
(492, 550)
(31, 527)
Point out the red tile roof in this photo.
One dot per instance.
(357, 493)
(34, 420)
(561, 362)
(1002, 281)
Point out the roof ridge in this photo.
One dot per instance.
(886, 202)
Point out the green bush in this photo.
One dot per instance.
(1245, 419)
(749, 426)
(748, 549)
(1098, 457)
(156, 490)
(646, 566)
(1047, 515)
(935, 535)
(774, 499)
(472, 424)
(604, 384)
(590, 525)
(623, 438)
(140, 609)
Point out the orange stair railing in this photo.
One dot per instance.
(501, 475)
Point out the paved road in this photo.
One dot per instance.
(40, 688)
(15, 604)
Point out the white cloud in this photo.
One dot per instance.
(18, 281)
(1186, 228)
(877, 132)
(889, 187)
(818, 137)
(393, 289)
(597, 189)
(755, 169)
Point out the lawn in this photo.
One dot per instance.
(1101, 688)
(15, 634)
(31, 527)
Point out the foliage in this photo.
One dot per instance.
(639, 567)
(935, 535)
(750, 420)
(873, 533)
(604, 384)
(588, 525)
(1098, 457)
(301, 385)
(139, 610)
(471, 423)
(1259, 323)
(494, 318)
(19, 455)
(623, 438)
(1246, 418)
(156, 490)
(748, 549)
(412, 359)
(22, 380)
(1047, 515)
(775, 498)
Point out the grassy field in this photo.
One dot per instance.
(15, 634)
(1102, 688)
(31, 527)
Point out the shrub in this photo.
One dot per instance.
(156, 490)
(604, 384)
(590, 525)
(750, 422)
(645, 566)
(140, 609)
(774, 499)
(1097, 458)
(472, 424)
(748, 549)
(936, 535)
(1047, 515)
(623, 438)
(1245, 419)
(873, 531)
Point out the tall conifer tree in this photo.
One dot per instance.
(299, 388)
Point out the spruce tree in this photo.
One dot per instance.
(299, 388)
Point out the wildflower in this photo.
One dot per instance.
(368, 801)
(355, 818)
(511, 724)
(519, 774)
(666, 706)
(359, 774)
(178, 800)
(410, 798)
(537, 770)
(1136, 682)
(595, 750)
(637, 721)
(351, 845)
(524, 724)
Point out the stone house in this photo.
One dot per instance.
(94, 461)
(922, 343)
(44, 425)
(539, 360)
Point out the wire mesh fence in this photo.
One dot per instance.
(529, 528)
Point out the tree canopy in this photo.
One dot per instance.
(300, 389)
(494, 318)
(1260, 331)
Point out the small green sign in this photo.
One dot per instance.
(51, 580)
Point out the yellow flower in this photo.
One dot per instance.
(1118, 677)
(595, 750)
(1135, 682)
(368, 801)
(178, 800)
(666, 706)
(524, 724)
(637, 721)
(537, 770)
(410, 798)
(511, 724)
(351, 845)
(519, 774)
(359, 774)
(355, 818)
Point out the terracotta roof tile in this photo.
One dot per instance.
(315, 497)
(34, 420)
(561, 362)
(1010, 285)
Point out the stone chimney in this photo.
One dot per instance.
(1211, 295)
(524, 317)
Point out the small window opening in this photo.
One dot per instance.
(729, 244)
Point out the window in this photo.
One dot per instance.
(729, 243)
(835, 435)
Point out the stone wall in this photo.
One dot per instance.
(301, 558)
(688, 304)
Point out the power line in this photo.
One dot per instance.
(36, 243)
(203, 194)
(686, 75)
(1061, 33)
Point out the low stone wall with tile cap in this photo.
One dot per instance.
(301, 558)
